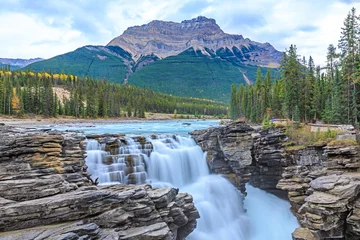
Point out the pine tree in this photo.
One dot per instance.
(309, 89)
(267, 92)
(234, 103)
(349, 46)
(291, 74)
(258, 96)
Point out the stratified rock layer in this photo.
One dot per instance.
(324, 190)
(229, 151)
(244, 155)
(45, 193)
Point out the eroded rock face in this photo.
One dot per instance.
(46, 194)
(44, 163)
(268, 159)
(324, 190)
(243, 155)
(229, 151)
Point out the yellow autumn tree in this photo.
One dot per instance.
(15, 103)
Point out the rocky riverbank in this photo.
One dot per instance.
(46, 193)
(322, 183)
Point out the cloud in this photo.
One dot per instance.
(47, 28)
(307, 28)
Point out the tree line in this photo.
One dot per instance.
(304, 92)
(27, 92)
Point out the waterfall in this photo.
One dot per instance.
(176, 161)
(126, 166)
(179, 162)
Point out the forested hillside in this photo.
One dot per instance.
(305, 92)
(89, 61)
(199, 75)
(193, 58)
(192, 73)
(26, 92)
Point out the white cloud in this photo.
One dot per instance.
(25, 36)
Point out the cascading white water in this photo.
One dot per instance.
(177, 161)
(269, 216)
(126, 166)
(94, 161)
(181, 163)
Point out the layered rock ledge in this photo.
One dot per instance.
(46, 193)
(322, 183)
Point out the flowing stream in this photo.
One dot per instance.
(176, 161)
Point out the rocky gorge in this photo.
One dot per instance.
(46, 193)
(322, 183)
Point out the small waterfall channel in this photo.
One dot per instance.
(176, 161)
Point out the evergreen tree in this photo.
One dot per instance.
(291, 74)
(234, 106)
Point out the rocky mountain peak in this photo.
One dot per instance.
(202, 23)
(18, 62)
(165, 38)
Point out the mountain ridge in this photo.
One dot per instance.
(195, 54)
(18, 62)
(166, 38)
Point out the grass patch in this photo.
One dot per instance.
(300, 135)
(344, 142)
(295, 148)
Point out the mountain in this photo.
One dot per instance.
(112, 63)
(195, 74)
(165, 39)
(194, 58)
(18, 62)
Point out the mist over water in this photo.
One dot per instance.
(176, 161)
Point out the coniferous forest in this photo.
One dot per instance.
(305, 92)
(50, 95)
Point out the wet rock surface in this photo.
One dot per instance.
(45, 193)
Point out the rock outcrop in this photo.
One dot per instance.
(244, 155)
(46, 193)
(18, 62)
(229, 151)
(324, 190)
(163, 39)
(322, 183)
(41, 163)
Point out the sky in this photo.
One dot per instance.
(46, 28)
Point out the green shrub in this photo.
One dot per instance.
(267, 123)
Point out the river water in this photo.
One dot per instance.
(172, 159)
